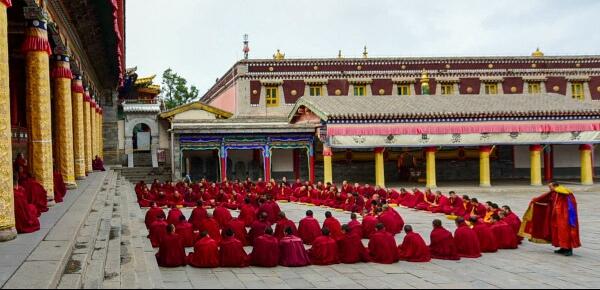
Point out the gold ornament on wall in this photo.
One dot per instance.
(513, 89)
(448, 66)
(556, 88)
(598, 89)
(490, 65)
(294, 92)
(381, 91)
(577, 65)
(533, 65)
(403, 67)
(469, 90)
(359, 67)
(338, 92)
(254, 92)
(271, 68)
(316, 67)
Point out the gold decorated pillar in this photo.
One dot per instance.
(37, 70)
(78, 128)
(7, 207)
(101, 133)
(379, 167)
(64, 158)
(431, 173)
(88, 131)
(94, 132)
(327, 164)
(587, 169)
(535, 153)
(484, 166)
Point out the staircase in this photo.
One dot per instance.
(147, 174)
(142, 159)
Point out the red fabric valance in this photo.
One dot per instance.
(62, 73)
(6, 3)
(34, 43)
(461, 128)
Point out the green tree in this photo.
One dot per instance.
(175, 91)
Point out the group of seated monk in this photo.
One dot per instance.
(218, 238)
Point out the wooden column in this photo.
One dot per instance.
(536, 164)
(431, 173)
(64, 157)
(484, 166)
(327, 164)
(78, 128)
(87, 110)
(37, 57)
(587, 169)
(548, 166)
(379, 167)
(7, 207)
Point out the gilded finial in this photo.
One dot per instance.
(425, 83)
(424, 76)
(537, 53)
(365, 52)
(340, 54)
(278, 55)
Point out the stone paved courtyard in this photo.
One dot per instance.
(531, 266)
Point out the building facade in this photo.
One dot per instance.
(58, 82)
(271, 88)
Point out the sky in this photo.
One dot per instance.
(202, 39)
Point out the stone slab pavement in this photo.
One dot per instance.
(531, 266)
(24, 261)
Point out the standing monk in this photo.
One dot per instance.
(552, 218)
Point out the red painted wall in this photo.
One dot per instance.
(595, 87)
(561, 82)
(510, 82)
(289, 86)
(255, 97)
(386, 84)
(334, 85)
(469, 82)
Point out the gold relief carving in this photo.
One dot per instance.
(78, 135)
(294, 92)
(316, 67)
(254, 92)
(490, 65)
(448, 66)
(577, 65)
(338, 92)
(38, 100)
(381, 91)
(403, 67)
(88, 136)
(513, 89)
(469, 90)
(64, 121)
(556, 88)
(271, 68)
(533, 65)
(7, 208)
(359, 67)
(598, 89)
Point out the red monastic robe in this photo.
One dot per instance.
(393, 222)
(351, 249)
(414, 249)
(157, 231)
(152, 215)
(26, 215)
(198, 214)
(334, 226)
(36, 194)
(505, 236)
(211, 226)
(171, 252)
(257, 229)
(369, 225)
(442, 245)
(265, 252)
(60, 189)
(356, 228)
(232, 254)
(487, 240)
(324, 251)
(239, 231)
(186, 231)
(292, 252)
(309, 230)
(247, 214)
(205, 255)
(282, 224)
(467, 243)
(173, 216)
(383, 248)
(222, 216)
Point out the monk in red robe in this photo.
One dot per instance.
(152, 214)
(211, 226)
(186, 231)
(511, 219)
(454, 205)
(417, 198)
(392, 220)
(369, 225)
(382, 247)
(265, 252)
(173, 216)
(324, 250)
(553, 218)
(309, 228)
(258, 228)
(355, 227)
(476, 209)
(98, 164)
(467, 243)
(413, 248)
(231, 253)
(292, 252)
(247, 212)
(239, 230)
(350, 247)
(171, 252)
(333, 225)
(60, 189)
(198, 215)
(504, 234)
(157, 231)
(283, 224)
(222, 216)
(26, 215)
(206, 253)
(36, 194)
(442, 245)
(439, 203)
(487, 240)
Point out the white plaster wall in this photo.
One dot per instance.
(564, 156)
(164, 137)
(195, 115)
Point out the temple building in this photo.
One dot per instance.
(61, 63)
(397, 120)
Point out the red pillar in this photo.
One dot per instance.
(311, 174)
(223, 156)
(548, 164)
(267, 164)
(296, 164)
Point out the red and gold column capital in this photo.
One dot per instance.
(535, 148)
(588, 147)
(36, 37)
(6, 3)
(327, 151)
(430, 149)
(485, 149)
(379, 150)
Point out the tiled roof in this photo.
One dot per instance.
(444, 106)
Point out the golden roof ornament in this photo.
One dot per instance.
(365, 53)
(537, 53)
(340, 54)
(425, 76)
(278, 55)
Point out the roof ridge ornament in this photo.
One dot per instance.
(278, 55)
(537, 53)
(340, 56)
(365, 52)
